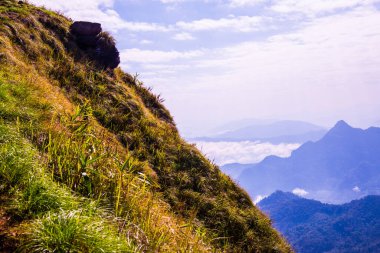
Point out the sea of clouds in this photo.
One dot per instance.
(244, 152)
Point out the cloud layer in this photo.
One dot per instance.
(244, 152)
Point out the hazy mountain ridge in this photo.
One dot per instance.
(342, 166)
(286, 131)
(312, 226)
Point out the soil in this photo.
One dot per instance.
(8, 241)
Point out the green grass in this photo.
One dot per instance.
(74, 231)
(15, 162)
(15, 9)
(61, 222)
(42, 195)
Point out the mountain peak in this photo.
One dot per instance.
(280, 196)
(342, 124)
(340, 128)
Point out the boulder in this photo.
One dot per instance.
(107, 54)
(83, 28)
(85, 41)
(99, 46)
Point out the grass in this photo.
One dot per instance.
(74, 231)
(91, 158)
(60, 221)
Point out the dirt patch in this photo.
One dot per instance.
(8, 241)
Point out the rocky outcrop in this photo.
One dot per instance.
(106, 51)
(83, 28)
(99, 45)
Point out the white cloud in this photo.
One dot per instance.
(183, 36)
(146, 42)
(317, 6)
(300, 74)
(172, 1)
(244, 152)
(241, 3)
(300, 192)
(258, 198)
(74, 4)
(356, 189)
(154, 56)
(101, 11)
(139, 26)
(235, 24)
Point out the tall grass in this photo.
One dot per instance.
(15, 162)
(74, 231)
(62, 222)
(80, 160)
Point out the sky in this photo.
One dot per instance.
(217, 61)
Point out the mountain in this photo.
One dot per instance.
(234, 170)
(342, 166)
(311, 226)
(237, 124)
(191, 131)
(276, 132)
(91, 160)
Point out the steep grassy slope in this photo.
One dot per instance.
(90, 159)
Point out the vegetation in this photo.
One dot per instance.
(91, 161)
(313, 227)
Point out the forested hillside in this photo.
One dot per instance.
(314, 227)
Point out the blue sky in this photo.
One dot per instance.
(217, 61)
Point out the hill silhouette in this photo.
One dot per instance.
(289, 131)
(342, 166)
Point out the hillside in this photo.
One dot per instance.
(91, 161)
(311, 226)
(342, 166)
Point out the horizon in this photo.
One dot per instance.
(217, 62)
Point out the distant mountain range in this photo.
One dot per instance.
(287, 131)
(342, 166)
(313, 227)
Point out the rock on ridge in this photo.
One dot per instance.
(100, 46)
(84, 28)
